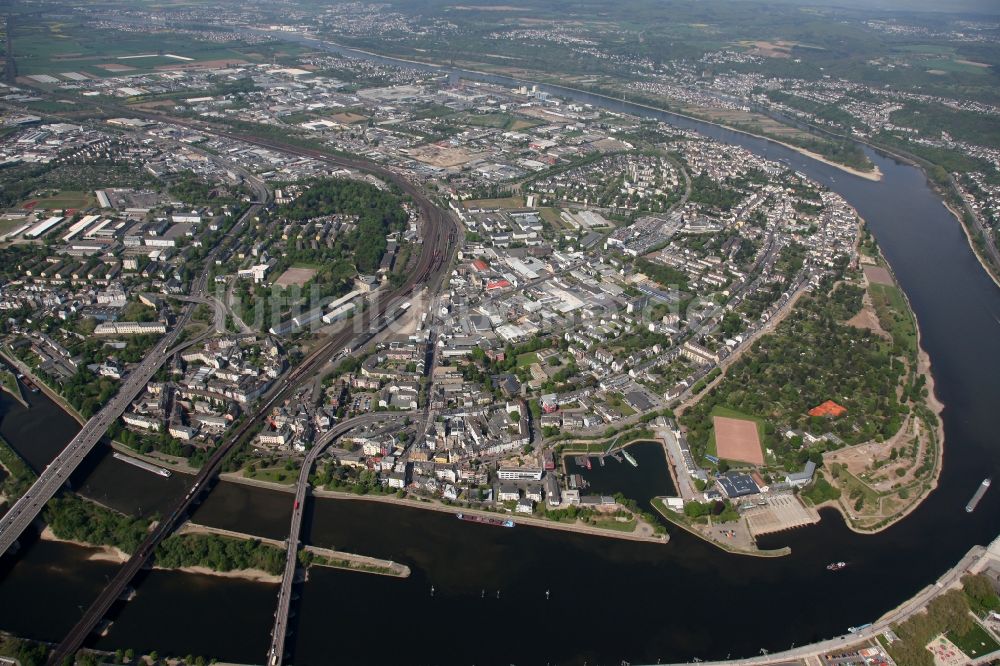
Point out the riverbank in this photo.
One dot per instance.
(977, 560)
(116, 555)
(675, 519)
(983, 261)
(45, 388)
(919, 163)
(643, 532)
(922, 368)
(935, 406)
(9, 383)
(174, 464)
(874, 175)
(318, 556)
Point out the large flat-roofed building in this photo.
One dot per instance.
(737, 484)
(131, 328)
(520, 474)
(44, 226)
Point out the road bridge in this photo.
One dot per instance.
(276, 653)
(57, 473)
(435, 251)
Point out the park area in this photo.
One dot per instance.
(975, 642)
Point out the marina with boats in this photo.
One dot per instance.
(586, 463)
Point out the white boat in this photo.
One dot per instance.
(980, 491)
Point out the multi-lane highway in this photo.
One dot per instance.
(277, 651)
(52, 478)
(438, 241)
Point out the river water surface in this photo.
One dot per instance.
(609, 600)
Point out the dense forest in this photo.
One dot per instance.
(705, 190)
(811, 357)
(371, 215)
(73, 518)
(379, 213)
(219, 553)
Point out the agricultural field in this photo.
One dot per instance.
(54, 48)
(504, 121)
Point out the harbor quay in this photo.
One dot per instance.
(862, 643)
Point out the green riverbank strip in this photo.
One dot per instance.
(8, 382)
(19, 475)
(677, 520)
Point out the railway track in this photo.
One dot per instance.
(439, 238)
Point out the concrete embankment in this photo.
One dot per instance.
(45, 388)
(642, 533)
(12, 387)
(975, 561)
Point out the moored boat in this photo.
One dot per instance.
(474, 518)
(980, 491)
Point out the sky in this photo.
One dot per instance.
(970, 6)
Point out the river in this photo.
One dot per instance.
(608, 600)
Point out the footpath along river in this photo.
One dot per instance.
(609, 600)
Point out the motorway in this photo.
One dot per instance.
(57, 473)
(276, 653)
(438, 243)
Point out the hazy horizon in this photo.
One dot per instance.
(991, 7)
